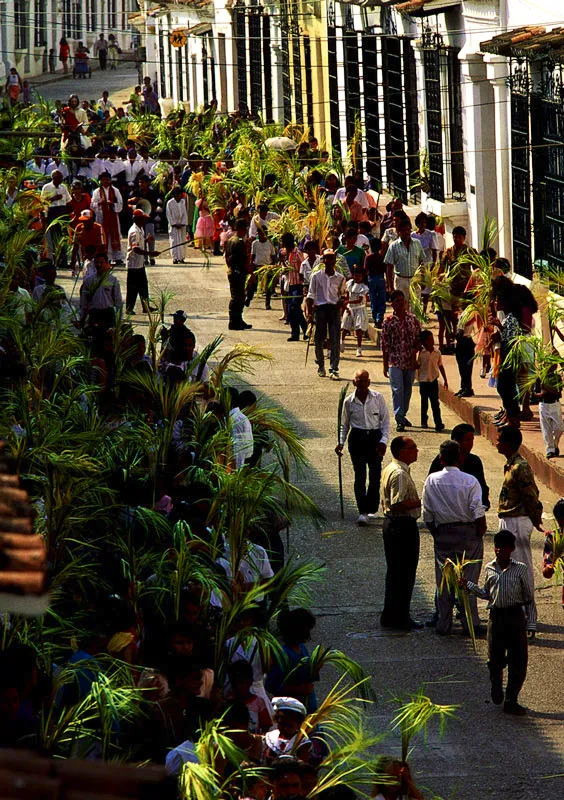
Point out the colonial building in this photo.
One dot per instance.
(29, 28)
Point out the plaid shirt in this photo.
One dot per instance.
(405, 260)
(400, 340)
(519, 496)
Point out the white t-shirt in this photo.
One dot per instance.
(262, 252)
(362, 241)
(135, 238)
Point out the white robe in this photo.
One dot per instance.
(177, 214)
(96, 206)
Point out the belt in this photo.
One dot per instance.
(452, 524)
(510, 610)
(366, 432)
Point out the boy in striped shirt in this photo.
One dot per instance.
(507, 588)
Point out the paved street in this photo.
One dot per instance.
(484, 754)
(119, 83)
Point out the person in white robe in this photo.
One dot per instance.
(177, 216)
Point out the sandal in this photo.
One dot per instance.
(526, 416)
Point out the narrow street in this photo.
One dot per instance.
(484, 753)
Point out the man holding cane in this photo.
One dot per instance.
(366, 422)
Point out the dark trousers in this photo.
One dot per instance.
(295, 314)
(237, 282)
(362, 449)
(377, 288)
(327, 324)
(401, 547)
(464, 352)
(507, 644)
(429, 391)
(103, 58)
(507, 390)
(137, 284)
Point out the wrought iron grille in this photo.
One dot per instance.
(180, 71)
(162, 68)
(458, 186)
(40, 37)
(255, 55)
(411, 112)
(333, 78)
(521, 183)
(308, 82)
(205, 77)
(267, 60)
(352, 73)
(285, 52)
(392, 60)
(371, 115)
(241, 49)
(433, 55)
(297, 64)
(211, 51)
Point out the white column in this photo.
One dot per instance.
(497, 72)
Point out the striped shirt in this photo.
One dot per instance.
(504, 587)
(405, 260)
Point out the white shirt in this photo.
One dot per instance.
(52, 166)
(185, 753)
(255, 566)
(50, 190)
(241, 436)
(262, 252)
(306, 268)
(96, 202)
(132, 170)
(362, 241)
(135, 238)
(361, 198)
(114, 167)
(326, 289)
(253, 227)
(100, 292)
(451, 496)
(105, 105)
(176, 212)
(370, 415)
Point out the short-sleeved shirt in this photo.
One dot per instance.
(519, 495)
(429, 363)
(354, 257)
(400, 340)
(397, 485)
(263, 252)
(405, 260)
(135, 238)
(236, 255)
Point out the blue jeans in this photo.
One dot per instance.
(377, 287)
(401, 381)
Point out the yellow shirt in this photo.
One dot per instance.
(397, 485)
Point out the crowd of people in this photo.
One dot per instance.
(172, 588)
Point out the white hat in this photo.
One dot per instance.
(289, 704)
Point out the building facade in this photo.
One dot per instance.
(30, 28)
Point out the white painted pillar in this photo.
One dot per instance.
(497, 73)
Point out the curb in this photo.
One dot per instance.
(547, 472)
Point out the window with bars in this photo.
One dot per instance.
(76, 21)
(67, 18)
(162, 64)
(93, 16)
(211, 51)
(205, 81)
(297, 65)
(371, 104)
(40, 35)
(285, 59)
(112, 14)
(308, 82)
(241, 48)
(458, 184)
(352, 74)
(267, 60)
(255, 58)
(432, 58)
(333, 78)
(21, 24)
(396, 164)
(521, 183)
(180, 72)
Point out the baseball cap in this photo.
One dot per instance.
(86, 214)
(180, 315)
(289, 704)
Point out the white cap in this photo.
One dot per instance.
(289, 704)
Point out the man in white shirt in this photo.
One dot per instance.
(105, 104)
(131, 167)
(137, 283)
(261, 220)
(456, 518)
(56, 194)
(341, 193)
(177, 217)
(325, 295)
(366, 422)
(242, 439)
(56, 163)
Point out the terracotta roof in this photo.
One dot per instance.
(532, 41)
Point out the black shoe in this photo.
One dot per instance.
(245, 326)
(415, 624)
(293, 339)
(247, 303)
(234, 327)
(514, 708)
(458, 393)
(424, 424)
(152, 262)
(479, 631)
(130, 311)
(407, 423)
(400, 427)
(497, 694)
(467, 394)
(268, 308)
(440, 428)
(432, 623)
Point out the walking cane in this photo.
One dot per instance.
(339, 417)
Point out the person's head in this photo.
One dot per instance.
(329, 260)
(101, 263)
(240, 674)
(101, 37)
(375, 245)
(350, 238)
(286, 779)
(464, 435)
(74, 101)
(459, 235)
(105, 93)
(269, 180)
(263, 210)
(351, 193)
(138, 341)
(399, 217)
(361, 382)
(288, 241)
(404, 231)
(427, 340)
(311, 249)
(504, 545)
(449, 452)
(421, 221)
(295, 626)
(502, 264)
(431, 222)
(241, 228)
(358, 275)
(397, 299)
(503, 293)
(404, 449)
(509, 440)
(558, 512)
(331, 182)
(177, 193)
(57, 177)
(246, 399)
(139, 217)
(288, 715)
(181, 640)
(105, 180)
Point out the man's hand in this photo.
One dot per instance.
(463, 583)
(386, 375)
(445, 384)
(309, 318)
(339, 450)
(381, 449)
